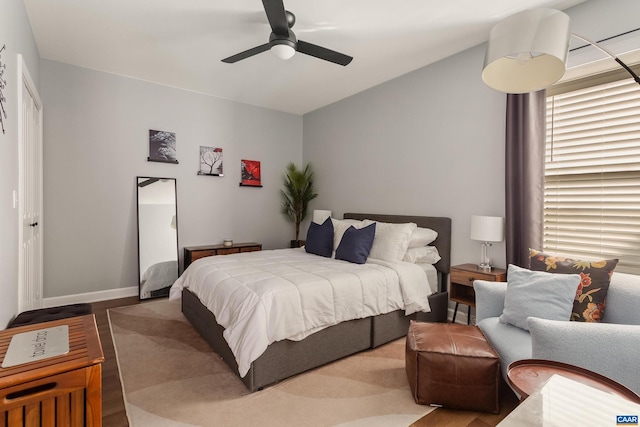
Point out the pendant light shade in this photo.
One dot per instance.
(527, 51)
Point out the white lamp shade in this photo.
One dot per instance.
(487, 228)
(319, 216)
(527, 51)
(283, 51)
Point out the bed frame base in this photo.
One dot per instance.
(285, 358)
(391, 326)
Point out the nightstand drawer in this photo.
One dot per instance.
(467, 277)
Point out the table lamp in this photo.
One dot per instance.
(486, 229)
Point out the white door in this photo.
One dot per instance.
(29, 191)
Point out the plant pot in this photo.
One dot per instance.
(297, 243)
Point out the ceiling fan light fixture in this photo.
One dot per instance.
(283, 49)
(283, 42)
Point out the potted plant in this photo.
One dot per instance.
(298, 192)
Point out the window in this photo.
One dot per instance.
(592, 174)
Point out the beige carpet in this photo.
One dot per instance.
(172, 378)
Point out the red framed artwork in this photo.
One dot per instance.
(250, 172)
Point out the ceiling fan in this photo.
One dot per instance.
(283, 42)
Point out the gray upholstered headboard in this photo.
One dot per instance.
(442, 225)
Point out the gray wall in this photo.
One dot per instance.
(96, 142)
(431, 142)
(15, 33)
(428, 143)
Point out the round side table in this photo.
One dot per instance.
(525, 376)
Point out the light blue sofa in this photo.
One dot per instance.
(610, 348)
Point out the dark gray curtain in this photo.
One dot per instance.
(524, 175)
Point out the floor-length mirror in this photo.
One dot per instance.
(157, 235)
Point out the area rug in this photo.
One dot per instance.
(172, 378)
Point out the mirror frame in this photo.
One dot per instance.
(175, 196)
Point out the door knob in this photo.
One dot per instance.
(34, 224)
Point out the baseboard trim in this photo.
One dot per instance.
(90, 297)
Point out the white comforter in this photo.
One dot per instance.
(267, 296)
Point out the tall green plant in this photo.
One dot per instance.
(298, 192)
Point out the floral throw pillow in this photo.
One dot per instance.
(595, 276)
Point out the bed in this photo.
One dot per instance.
(284, 357)
(158, 278)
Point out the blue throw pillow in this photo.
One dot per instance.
(537, 294)
(356, 244)
(320, 239)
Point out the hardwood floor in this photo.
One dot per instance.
(450, 418)
(114, 414)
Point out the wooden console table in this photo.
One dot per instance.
(63, 390)
(192, 253)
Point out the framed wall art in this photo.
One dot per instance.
(210, 161)
(162, 147)
(250, 173)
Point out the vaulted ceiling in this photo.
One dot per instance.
(181, 43)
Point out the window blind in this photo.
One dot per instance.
(592, 174)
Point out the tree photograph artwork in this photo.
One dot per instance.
(162, 146)
(250, 171)
(210, 161)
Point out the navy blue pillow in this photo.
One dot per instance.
(356, 244)
(320, 239)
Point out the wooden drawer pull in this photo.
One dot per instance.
(471, 279)
(31, 390)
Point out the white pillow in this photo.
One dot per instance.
(538, 294)
(391, 241)
(425, 254)
(422, 237)
(340, 226)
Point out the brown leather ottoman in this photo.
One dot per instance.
(453, 366)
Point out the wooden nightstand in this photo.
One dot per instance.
(192, 253)
(461, 287)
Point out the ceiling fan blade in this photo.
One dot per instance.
(323, 53)
(277, 16)
(247, 53)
